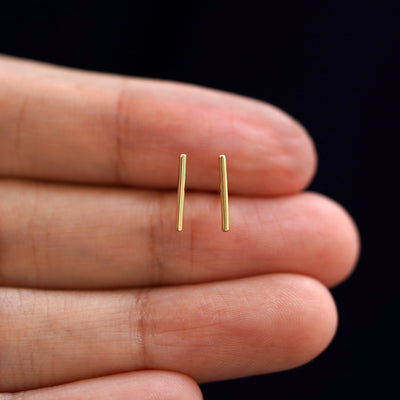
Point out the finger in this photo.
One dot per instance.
(210, 331)
(77, 237)
(142, 385)
(61, 124)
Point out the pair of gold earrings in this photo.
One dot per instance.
(223, 187)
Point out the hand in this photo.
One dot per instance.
(100, 294)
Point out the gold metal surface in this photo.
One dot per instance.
(223, 185)
(181, 192)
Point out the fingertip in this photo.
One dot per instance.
(339, 246)
(268, 152)
(310, 159)
(278, 153)
(300, 151)
(322, 314)
(350, 243)
(312, 320)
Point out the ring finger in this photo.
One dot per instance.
(208, 331)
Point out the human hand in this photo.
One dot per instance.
(100, 295)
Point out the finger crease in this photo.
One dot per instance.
(139, 332)
(154, 228)
(119, 132)
(20, 122)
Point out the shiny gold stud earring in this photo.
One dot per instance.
(181, 192)
(223, 187)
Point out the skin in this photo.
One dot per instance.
(100, 296)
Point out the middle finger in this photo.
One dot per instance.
(58, 236)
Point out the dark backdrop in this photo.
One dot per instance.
(334, 65)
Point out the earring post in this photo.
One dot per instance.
(181, 192)
(223, 178)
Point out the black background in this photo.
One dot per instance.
(334, 65)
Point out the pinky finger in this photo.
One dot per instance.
(141, 385)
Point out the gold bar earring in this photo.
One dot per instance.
(223, 185)
(181, 192)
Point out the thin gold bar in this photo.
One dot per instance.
(223, 179)
(181, 192)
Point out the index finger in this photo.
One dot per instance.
(62, 124)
